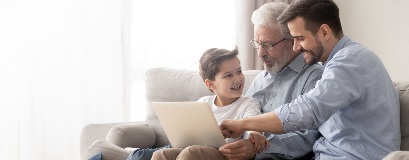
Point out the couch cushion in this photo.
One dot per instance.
(403, 90)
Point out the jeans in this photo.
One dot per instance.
(144, 154)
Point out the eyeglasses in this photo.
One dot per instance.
(266, 46)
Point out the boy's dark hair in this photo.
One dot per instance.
(315, 13)
(212, 59)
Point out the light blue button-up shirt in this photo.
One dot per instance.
(355, 107)
(274, 90)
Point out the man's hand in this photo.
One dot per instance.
(231, 128)
(242, 149)
(259, 140)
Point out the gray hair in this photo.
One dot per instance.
(267, 16)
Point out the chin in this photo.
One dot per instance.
(237, 94)
(310, 61)
(271, 70)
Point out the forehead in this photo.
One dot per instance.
(229, 65)
(297, 27)
(263, 33)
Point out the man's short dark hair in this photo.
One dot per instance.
(315, 13)
(212, 59)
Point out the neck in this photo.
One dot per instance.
(221, 102)
(329, 47)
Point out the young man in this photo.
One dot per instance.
(285, 77)
(355, 105)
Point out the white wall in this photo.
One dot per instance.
(383, 26)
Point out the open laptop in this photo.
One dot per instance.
(189, 123)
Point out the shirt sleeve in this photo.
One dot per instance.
(290, 145)
(340, 86)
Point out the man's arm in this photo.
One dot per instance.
(296, 143)
(267, 122)
(281, 146)
(290, 145)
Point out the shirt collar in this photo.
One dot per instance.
(296, 65)
(340, 44)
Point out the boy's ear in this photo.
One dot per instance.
(209, 84)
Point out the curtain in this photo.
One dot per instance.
(244, 32)
(61, 67)
(175, 34)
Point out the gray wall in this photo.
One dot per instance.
(383, 26)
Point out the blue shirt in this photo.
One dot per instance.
(355, 107)
(273, 90)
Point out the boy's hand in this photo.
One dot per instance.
(231, 128)
(259, 140)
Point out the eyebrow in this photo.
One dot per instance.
(229, 72)
(238, 68)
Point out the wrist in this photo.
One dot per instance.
(245, 126)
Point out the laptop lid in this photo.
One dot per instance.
(189, 123)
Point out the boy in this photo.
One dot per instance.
(221, 72)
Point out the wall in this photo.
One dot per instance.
(382, 25)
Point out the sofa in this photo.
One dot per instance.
(167, 84)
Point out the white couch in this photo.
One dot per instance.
(165, 84)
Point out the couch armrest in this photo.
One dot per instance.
(92, 132)
(135, 135)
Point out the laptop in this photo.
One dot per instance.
(189, 123)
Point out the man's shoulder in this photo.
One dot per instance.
(315, 68)
(352, 50)
(356, 54)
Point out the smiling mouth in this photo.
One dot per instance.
(304, 51)
(237, 87)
